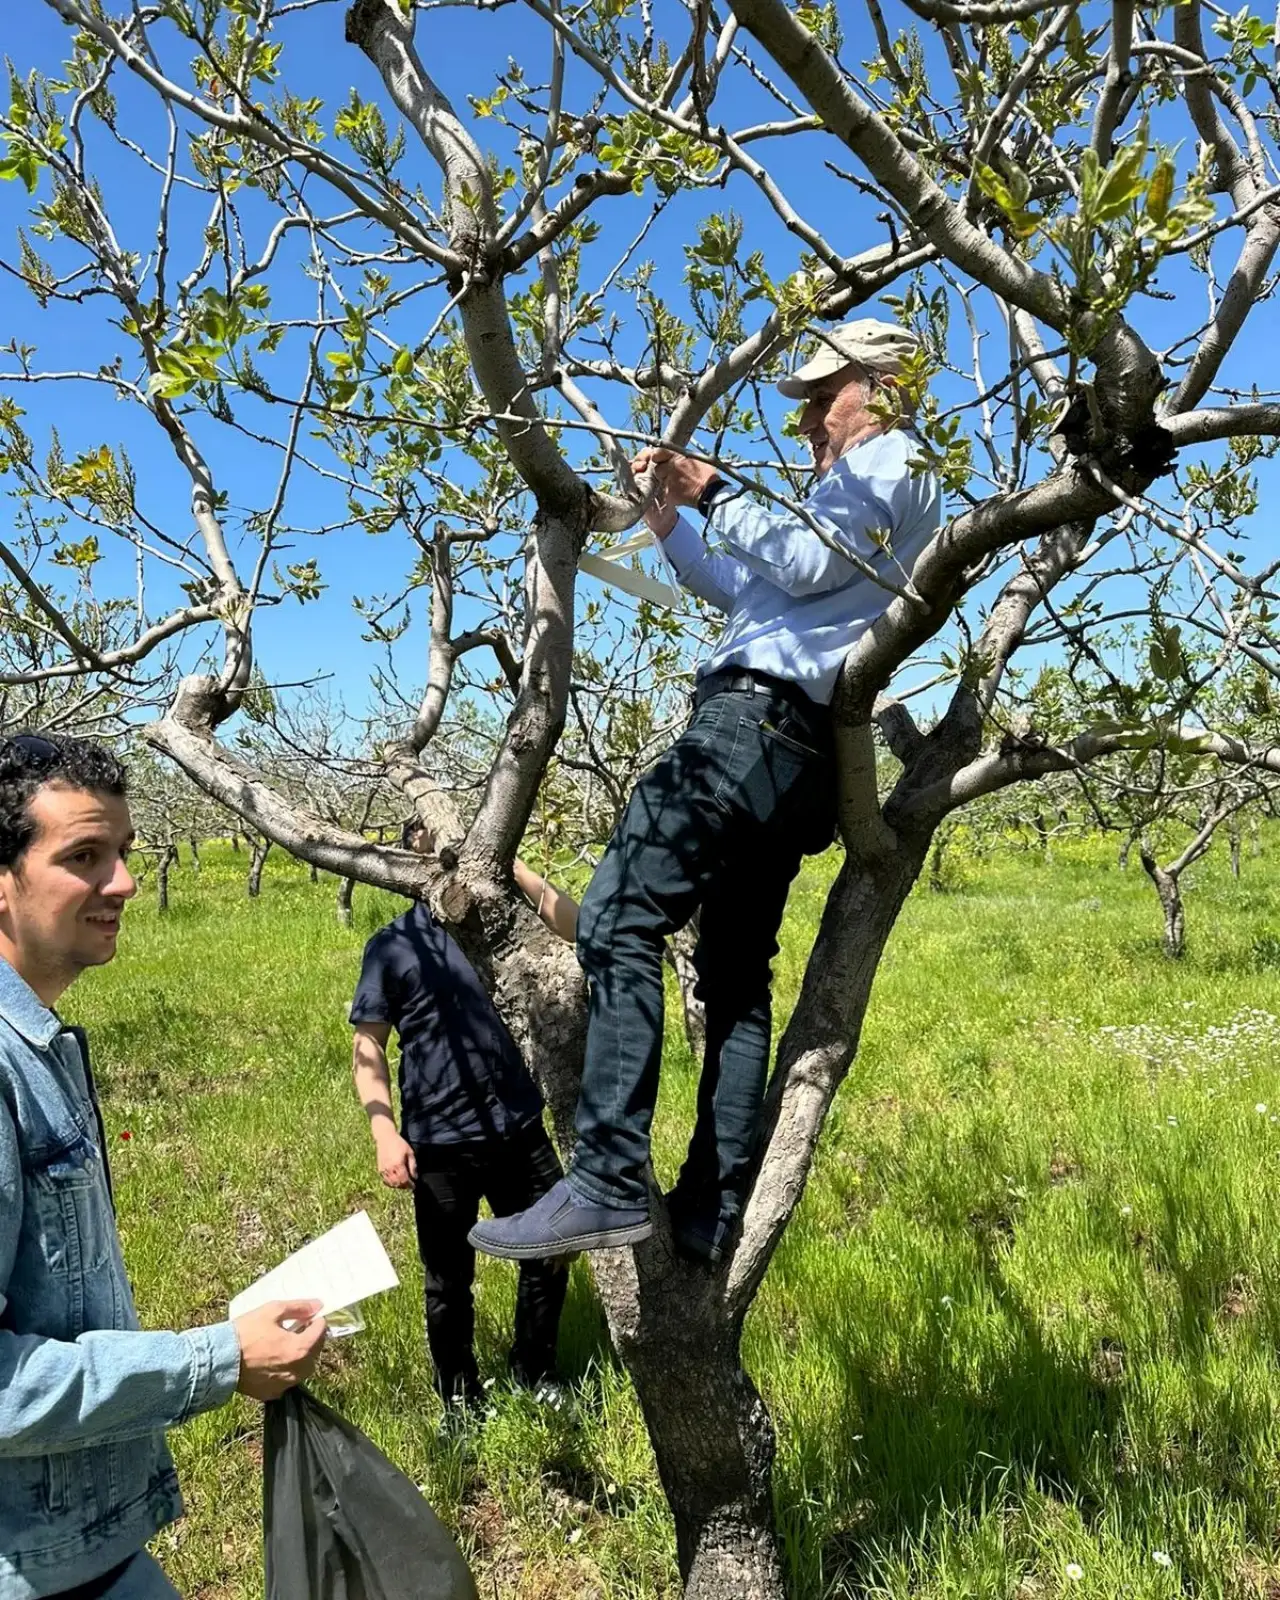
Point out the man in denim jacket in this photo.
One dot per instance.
(85, 1396)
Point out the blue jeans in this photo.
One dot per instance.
(720, 824)
(140, 1578)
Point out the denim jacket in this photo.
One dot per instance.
(85, 1397)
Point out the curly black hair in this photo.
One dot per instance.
(30, 760)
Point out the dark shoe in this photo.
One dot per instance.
(464, 1411)
(558, 1225)
(463, 1388)
(547, 1388)
(701, 1230)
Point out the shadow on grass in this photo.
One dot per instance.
(161, 1049)
(933, 1442)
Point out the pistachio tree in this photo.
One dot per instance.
(431, 316)
(1172, 797)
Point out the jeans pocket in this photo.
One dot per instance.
(731, 777)
(805, 777)
(791, 738)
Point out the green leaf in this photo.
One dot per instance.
(1121, 184)
(1165, 653)
(1160, 190)
(403, 363)
(22, 164)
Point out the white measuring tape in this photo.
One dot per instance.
(606, 565)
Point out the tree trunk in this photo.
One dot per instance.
(679, 955)
(235, 842)
(1175, 941)
(1233, 836)
(713, 1439)
(313, 872)
(346, 888)
(261, 850)
(195, 851)
(677, 1326)
(165, 860)
(936, 857)
(1122, 860)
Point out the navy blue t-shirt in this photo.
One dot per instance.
(462, 1077)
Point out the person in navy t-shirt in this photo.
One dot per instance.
(470, 1128)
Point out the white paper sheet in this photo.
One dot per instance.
(340, 1269)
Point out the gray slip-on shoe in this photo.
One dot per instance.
(558, 1225)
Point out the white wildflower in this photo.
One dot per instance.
(1162, 1558)
(1075, 1571)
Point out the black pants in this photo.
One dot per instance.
(721, 822)
(510, 1174)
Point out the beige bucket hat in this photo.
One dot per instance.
(878, 346)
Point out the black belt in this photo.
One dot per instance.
(741, 680)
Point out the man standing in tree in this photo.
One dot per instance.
(470, 1129)
(85, 1396)
(723, 820)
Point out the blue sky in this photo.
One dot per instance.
(464, 49)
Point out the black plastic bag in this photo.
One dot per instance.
(341, 1522)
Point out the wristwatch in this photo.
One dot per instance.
(713, 488)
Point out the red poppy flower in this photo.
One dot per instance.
(125, 1134)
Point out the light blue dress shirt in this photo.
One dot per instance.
(795, 607)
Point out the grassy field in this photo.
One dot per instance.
(1020, 1340)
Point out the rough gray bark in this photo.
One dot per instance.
(166, 859)
(711, 1432)
(1166, 886)
(346, 888)
(937, 856)
(258, 860)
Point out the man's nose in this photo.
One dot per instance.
(122, 885)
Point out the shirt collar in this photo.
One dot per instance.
(23, 1010)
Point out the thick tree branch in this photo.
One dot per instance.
(869, 136)
(234, 784)
(1223, 422)
(384, 31)
(1117, 81)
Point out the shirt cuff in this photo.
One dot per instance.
(683, 547)
(215, 1367)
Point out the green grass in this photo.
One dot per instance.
(1024, 1321)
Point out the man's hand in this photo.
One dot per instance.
(273, 1358)
(680, 482)
(396, 1164)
